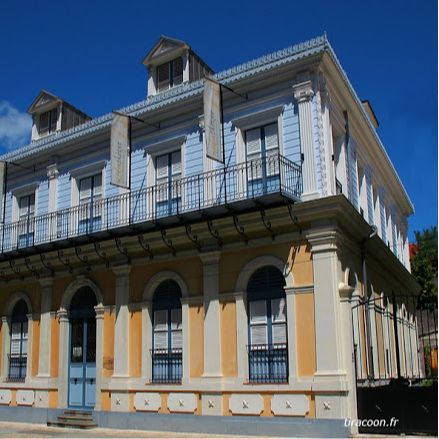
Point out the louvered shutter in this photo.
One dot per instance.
(162, 177)
(161, 329)
(16, 339)
(84, 197)
(53, 119)
(272, 149)
(176, 329)
(258, 323)
(253, 144)
(176, 173)
(279, 319)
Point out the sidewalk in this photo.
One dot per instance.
(25, 430)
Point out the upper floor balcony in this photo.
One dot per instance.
(239, 187)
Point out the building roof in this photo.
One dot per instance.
(318, 45)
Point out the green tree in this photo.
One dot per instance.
(424, 263)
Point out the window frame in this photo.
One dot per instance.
(171, 74)
(52, 122)
(22, 357)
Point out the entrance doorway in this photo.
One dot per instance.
(82, 353)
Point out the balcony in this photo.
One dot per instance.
(239, 187)
(17, 368)
(268, 363)
(167, 366)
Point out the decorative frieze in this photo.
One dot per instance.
(289, 405)
(182, 402)
(5, 396)
(147, 402)
(25, 397)
(246, 404)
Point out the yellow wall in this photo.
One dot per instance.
(305, 334)
(196, 340)
(298, 256)
(53, 399)
(108, 351)
(229, 363)
(190, 269)
(135, 343)
(35, 346)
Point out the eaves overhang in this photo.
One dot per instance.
(178, 94)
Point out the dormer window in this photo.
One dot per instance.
(172, 62)
(170, 74)
(48, 121)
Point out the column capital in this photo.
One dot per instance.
(194, 300)
(62, 315)
(46, 282)
(5, 319)
(212, 257)
(345, 291)
(303, 90)
(52, 171)
(100, 311)
(121, 270)
(324, 240)
(240, 295)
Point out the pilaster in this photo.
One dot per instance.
(241, 335)
(45, 328)
(100, 311)
(303, 94)
(63, 319)
(212, 328)
(121, 335)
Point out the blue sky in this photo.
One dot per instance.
(90, 52)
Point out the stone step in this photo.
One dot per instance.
(77, 412)
(75, 418)
(72, 424)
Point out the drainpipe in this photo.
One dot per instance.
(373, 232)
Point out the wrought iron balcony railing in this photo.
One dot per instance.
(225, 186)
(17, 368)
(268, 363)
(167, 365)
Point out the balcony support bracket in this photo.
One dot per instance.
(145, 246)
(214, 232)
(121, 249)
(45, 264)
(267, 224)
(31, 268)
(15, 269)
(192, 237)
(101, 254)
(82, 258)
(240, 229)
(294, 217)
(167, 241)
(65, 261)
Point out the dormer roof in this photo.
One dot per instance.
(44, 101)
(163, 49)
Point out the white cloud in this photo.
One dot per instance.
(15, 127)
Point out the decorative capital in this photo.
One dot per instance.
(303, 91)
(100, 311)
(62, 315)
(210, 257)
(345, 290)
(52, 171)
(121, 270)
(324, 241)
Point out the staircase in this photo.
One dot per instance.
(74, 419)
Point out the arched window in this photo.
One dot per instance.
(19, 336)
(267, 326)
(167, 334)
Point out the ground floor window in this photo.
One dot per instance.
(167, 352)
(19, 337)
(267, 327)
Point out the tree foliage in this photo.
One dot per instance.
(424, 263)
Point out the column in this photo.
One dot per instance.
(30, 331)
(100, 310)
(45, 328)
(147, 340)
(121, 330)
(63, 357)
(186, 348)
(212, 328)
(291, 328)
(330, 371)
(303, 93)
(241, 335)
